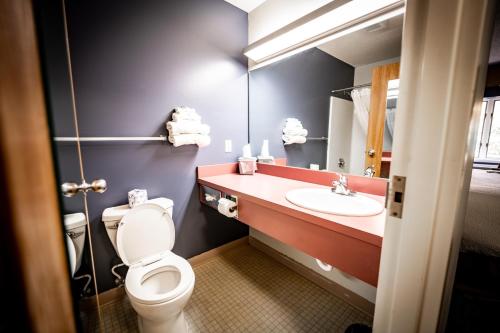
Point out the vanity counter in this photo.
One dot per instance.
(269, 191)
(351, 244)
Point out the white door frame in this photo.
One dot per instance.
(443, 70)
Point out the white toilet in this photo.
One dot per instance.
(158, 283)
(75, 239)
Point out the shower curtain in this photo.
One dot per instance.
(361, 100)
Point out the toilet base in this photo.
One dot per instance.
(174, 324)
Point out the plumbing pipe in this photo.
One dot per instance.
(86, 286)
(324, 266)
(119, 280)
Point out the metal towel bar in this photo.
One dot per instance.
(110, 138)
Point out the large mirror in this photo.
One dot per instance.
(331, 107)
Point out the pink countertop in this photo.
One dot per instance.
(269, 191)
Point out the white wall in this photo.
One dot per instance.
(339, 134)
(357, 286)
(274, 14)
(362, 75)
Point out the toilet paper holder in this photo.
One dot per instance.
(210, 197)
(235, 200)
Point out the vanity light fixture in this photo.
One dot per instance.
(332, 21)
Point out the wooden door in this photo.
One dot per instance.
(378, 100)
(30, 211)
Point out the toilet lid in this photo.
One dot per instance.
(146, 230)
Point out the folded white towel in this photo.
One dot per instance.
(184, 110)
(203, 140)
(189, 139)
(295, 131)
(187, 127)
(292, 123)
(289, 139)
(186, 116)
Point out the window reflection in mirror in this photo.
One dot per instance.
(390, 114)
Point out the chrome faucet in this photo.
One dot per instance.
(340, 186)
(370, 171)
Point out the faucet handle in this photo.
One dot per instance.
(342, 180)
(335, 182)
(370, 171)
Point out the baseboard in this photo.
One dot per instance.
(203, 257)
(330, 286)
(105, 297)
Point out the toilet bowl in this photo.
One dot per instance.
(158, 283)
(159, 292)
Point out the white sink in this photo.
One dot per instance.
(325, 201)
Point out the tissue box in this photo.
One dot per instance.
(137, 196)
(247, 165)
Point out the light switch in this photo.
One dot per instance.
(228, 146)
(313, 166)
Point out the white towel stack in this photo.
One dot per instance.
(293, 132)
(186, 128)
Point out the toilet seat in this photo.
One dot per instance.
(145, 238)
(158, 273)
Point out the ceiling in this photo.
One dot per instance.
(378, 42)
(246, 5)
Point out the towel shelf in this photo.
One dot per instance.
(109, 138)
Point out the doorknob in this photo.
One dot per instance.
(72, 189)
(371, 152)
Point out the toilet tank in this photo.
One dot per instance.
(75, 225)
(112, 216)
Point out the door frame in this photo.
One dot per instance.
(31, 215)
(443, 71)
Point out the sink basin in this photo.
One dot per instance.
(325, 201)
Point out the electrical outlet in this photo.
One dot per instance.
(228, 146)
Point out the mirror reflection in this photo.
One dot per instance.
(390, 113)
(331, 107)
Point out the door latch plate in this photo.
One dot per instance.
(397, 196)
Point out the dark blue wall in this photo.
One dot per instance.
(133, 61)
(296, 87)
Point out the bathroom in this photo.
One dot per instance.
(287, 205)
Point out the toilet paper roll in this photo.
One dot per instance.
(227, 207)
